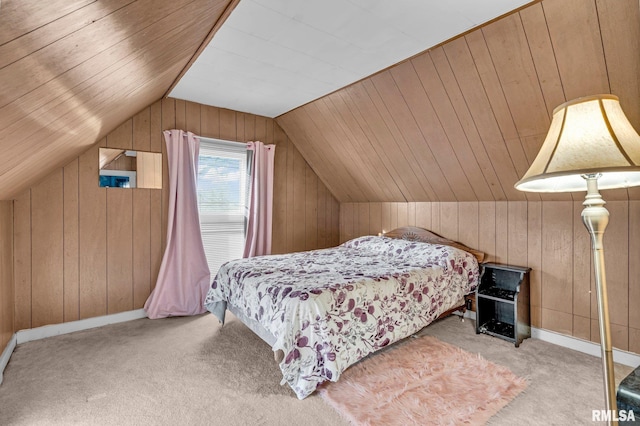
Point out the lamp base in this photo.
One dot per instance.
(596, 218)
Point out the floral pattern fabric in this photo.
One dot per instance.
(330, 308)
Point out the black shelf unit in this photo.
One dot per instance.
(502, 302)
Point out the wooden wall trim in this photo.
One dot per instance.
(7, 307)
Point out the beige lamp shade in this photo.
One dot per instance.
(589, 135)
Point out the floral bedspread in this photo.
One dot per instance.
(330, 308)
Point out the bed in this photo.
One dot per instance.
(324, 310)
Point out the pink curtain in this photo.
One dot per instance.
(183, 280)
(258, 241)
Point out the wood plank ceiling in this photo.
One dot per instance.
(72, 70)
(459, 122)
(463, 121)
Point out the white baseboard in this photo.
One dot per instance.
(6, 354)
(621, 357)
(69, 327)
(37, 333)
(591, 348)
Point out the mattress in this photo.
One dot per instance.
(327, 309)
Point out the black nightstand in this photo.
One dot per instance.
(502, 302)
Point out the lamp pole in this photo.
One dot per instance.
(595, 218)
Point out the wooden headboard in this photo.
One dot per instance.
(413, 233)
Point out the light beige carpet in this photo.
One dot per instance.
(422, 381)
(191, 371)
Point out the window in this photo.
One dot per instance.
(222, 200)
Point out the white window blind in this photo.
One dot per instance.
(222, 199)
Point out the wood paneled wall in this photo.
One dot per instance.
(83, 251)
(463, 121)
(547, 236)
(6, 274)
(72, 70)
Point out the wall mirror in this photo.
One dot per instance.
(120, 168)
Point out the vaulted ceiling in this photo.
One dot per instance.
(463, 121)
(73, 70)
(272, 56)
(459, 122)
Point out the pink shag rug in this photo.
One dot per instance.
(423, 382)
